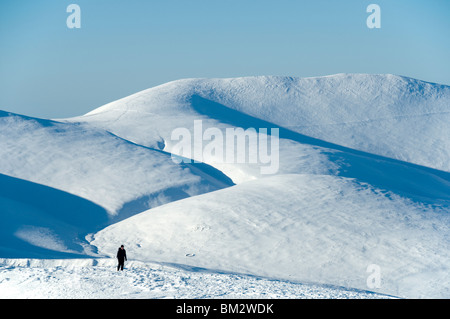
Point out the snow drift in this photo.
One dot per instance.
(43, 222)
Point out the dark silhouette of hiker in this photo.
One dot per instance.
(121, 256)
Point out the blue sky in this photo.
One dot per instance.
(48, 70)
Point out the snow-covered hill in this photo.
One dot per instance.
(363, 179)
(122, 177)
(388, 115)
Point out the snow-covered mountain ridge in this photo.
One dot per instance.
(379, 114)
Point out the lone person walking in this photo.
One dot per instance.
(121, 256)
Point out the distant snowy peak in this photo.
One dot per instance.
(383, 114)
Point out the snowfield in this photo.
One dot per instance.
(98, 279)
(362, 178)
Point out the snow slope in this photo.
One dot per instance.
(120, 176)
(43, 222)
(308, 228)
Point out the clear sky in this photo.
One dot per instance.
(124, 46)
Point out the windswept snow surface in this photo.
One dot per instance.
(97, 279)
(363, 179)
